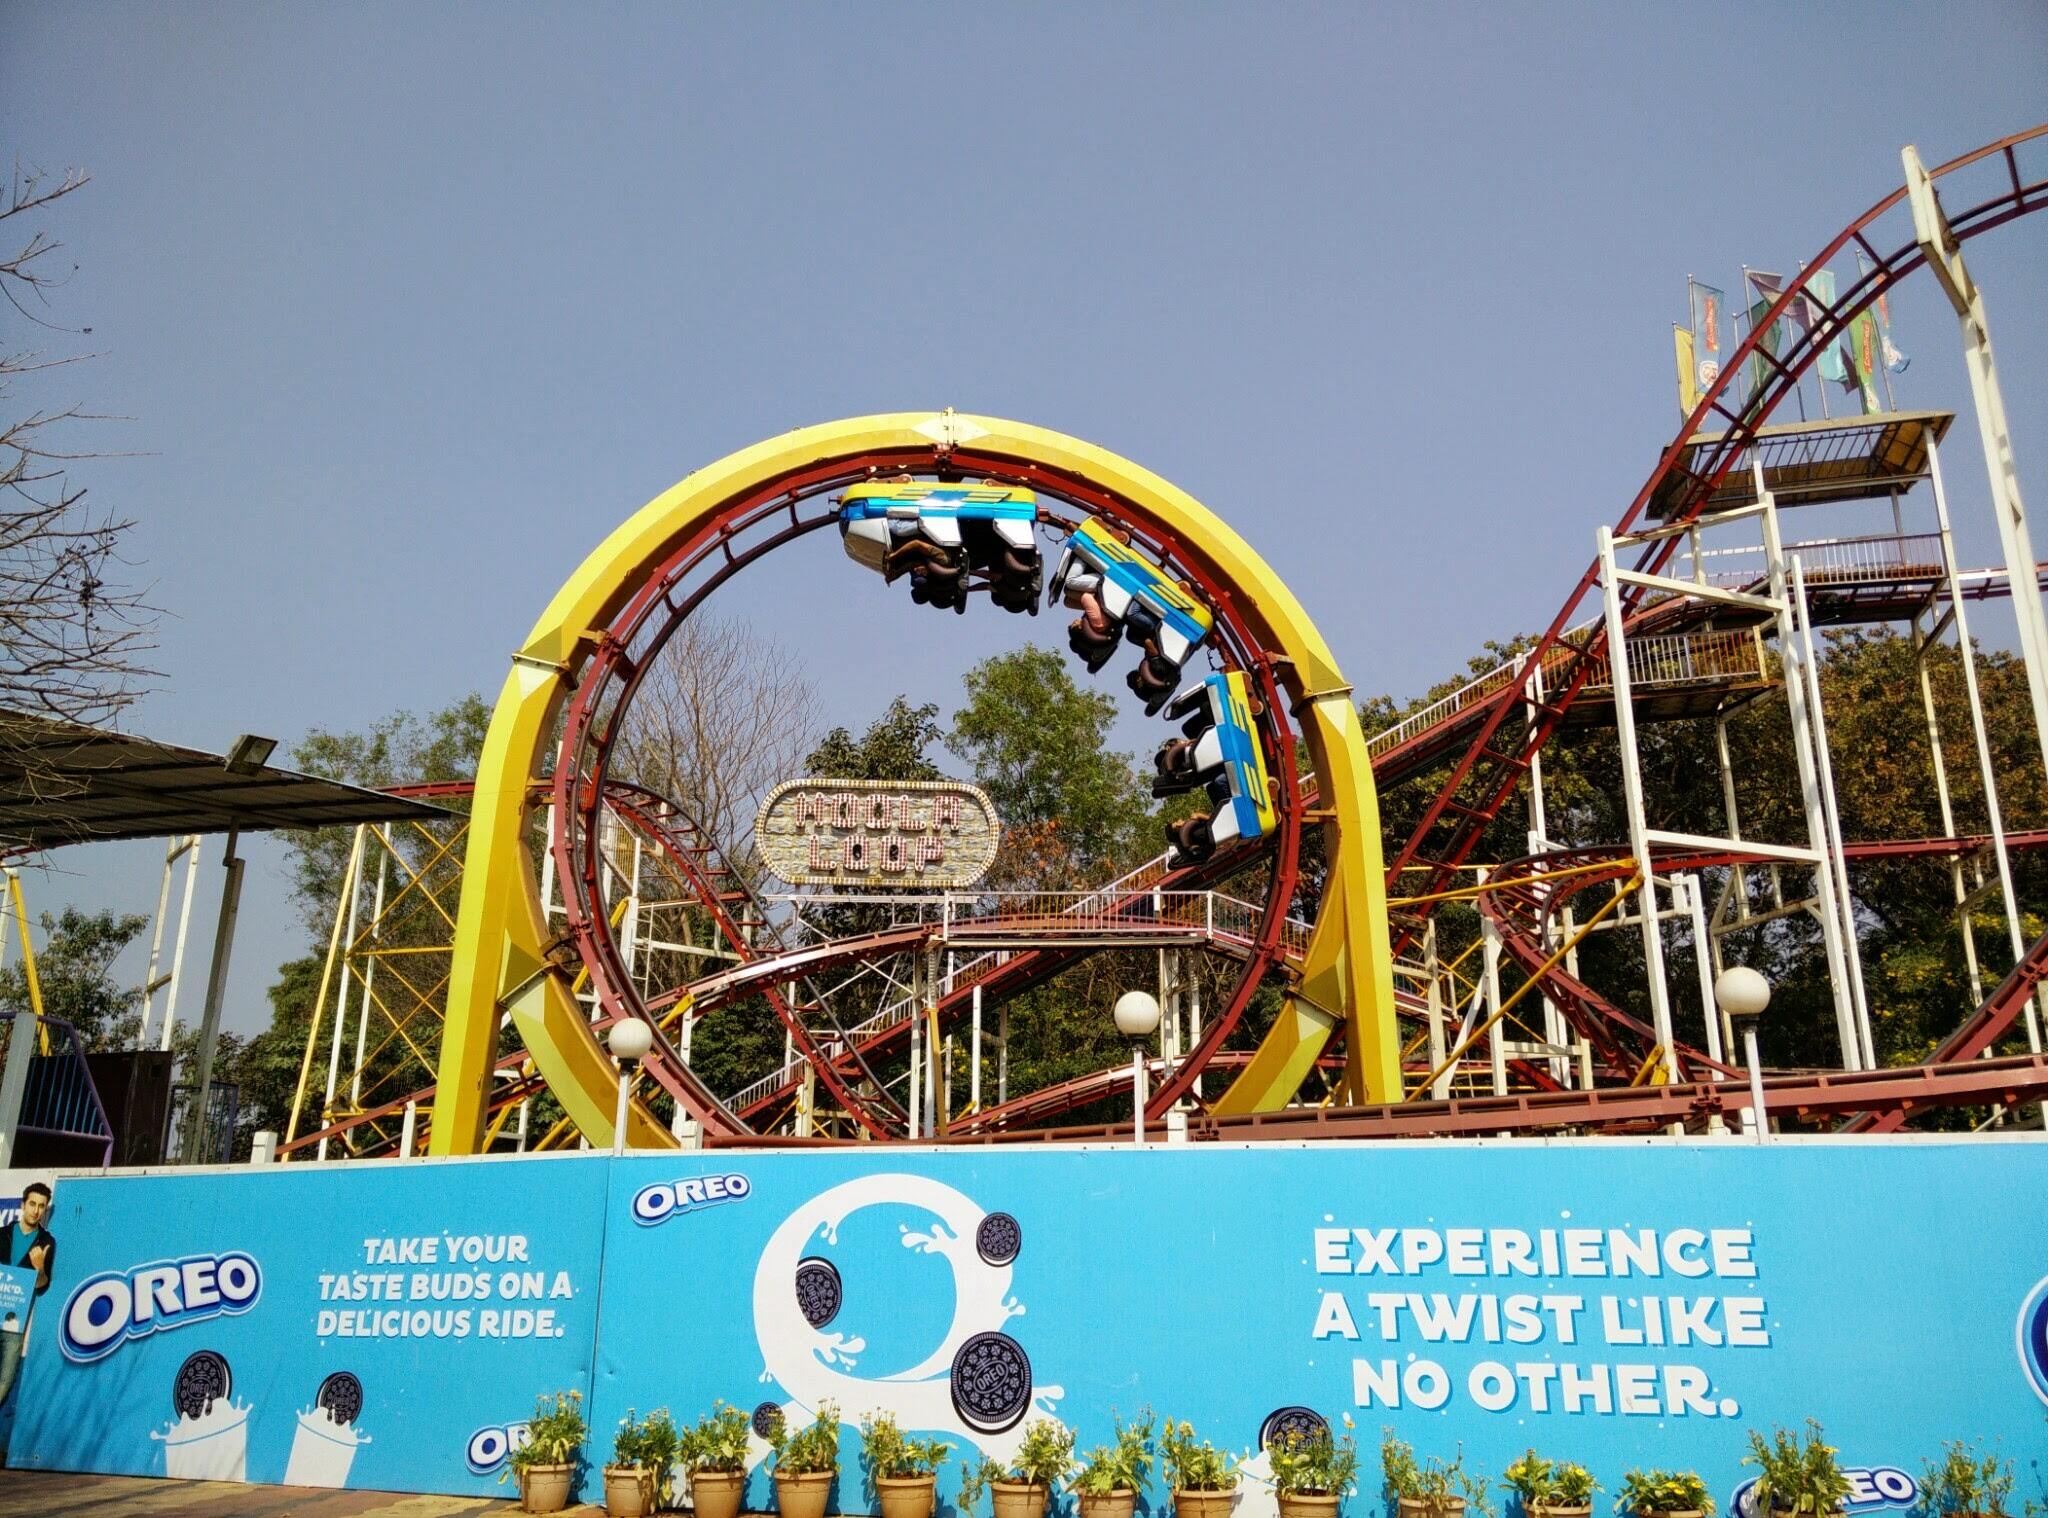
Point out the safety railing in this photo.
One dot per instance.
(1707, 657)
(1124, 907)
(1878, 558)
(1473, 693)
(60, 1099)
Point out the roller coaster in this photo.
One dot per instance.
(572, 899)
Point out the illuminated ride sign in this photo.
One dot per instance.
(934, 834)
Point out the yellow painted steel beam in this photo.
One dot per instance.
(1346, 975)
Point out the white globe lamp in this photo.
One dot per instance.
(1137, 1019)
(1743, 994)
(629, 1040)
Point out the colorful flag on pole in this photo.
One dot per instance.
(1764, 289)
(1866, 352)
(1688, 373)
(1894, 360)
(1821, 282)
(1706, 333)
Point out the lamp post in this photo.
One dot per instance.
(629, 1041)
(1743, 994)
(1137, 1018)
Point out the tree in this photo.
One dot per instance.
(895, 746)
(721, 716)
(74, 971)
(70, 638)
(1073, 809)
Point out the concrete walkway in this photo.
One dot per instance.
(46, 1494)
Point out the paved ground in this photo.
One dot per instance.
(40, 1494)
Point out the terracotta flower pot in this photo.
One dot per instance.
(1118, 1503)
(545, 1488)
(1560, 1510)
(802, 1494)
(1017, 1499)
(716, 1494)
(1437, 1507)
(1309, 1504)
(1188, 1504)
(1674, 1512)
(628, 1491)
(906, 1496)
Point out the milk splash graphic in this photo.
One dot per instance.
(323, 1449)
(214, 1446)
(814, 1365)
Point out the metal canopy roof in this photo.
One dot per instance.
(61, 783)
(1805, 463)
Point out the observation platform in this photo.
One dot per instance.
(1841, 458)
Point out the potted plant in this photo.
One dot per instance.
(1431, 1488)
(637, 1480)
(1020, 1489)
(715, 1455)
(805, 1463)
(546, 1463)
(903, 1472)
(1963, 1486)
(1795, 1478)
(1313, 1473)
(1202, 1481)
(1664, 1494)
(1551, 1488)
(1114, 1474)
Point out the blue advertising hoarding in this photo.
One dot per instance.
(1614, 1303)
(319, 1326)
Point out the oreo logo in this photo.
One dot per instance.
(2031, 1336)
(991, 1383)
(666, 1199)
(998, 1240)
(105, 1311)
(818, 1290)
(1303, 1423)
(202, 1380)
(767, 1420)
(342, 1395)
(491, 1446)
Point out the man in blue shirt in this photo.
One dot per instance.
(33, 1247)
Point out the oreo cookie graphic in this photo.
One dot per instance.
(767, 1419)
(1305, 1422)
(998, 1240)
(342, 1395)
(203, 1379)
(991, 1383)
(818, 1292)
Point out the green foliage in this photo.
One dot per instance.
(1549, 1483)
(1194, 1465)
(891, 1457)
(554, 1434)
(1317, 1465)
(1963, 1484)
(74, 970)
(1663, 1492)
(653, 1443)
(894, 747)
(1441, 1486)
(1072, 809)
(1124, 1464)
(1044, 1459)
(810, 1449)
(1793, 1477)
(718, 1441)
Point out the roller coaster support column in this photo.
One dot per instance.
(1944, 256)
(1838, 946)
(1987, 774)
(1632, 799)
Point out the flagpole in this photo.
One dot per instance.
(1820, 381)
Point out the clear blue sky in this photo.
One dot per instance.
(408, 304)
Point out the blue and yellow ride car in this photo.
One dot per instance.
(1123, 595)
(939, 534)
(1220, 753)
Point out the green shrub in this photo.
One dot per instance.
(554, 1435)
(812, 1449)
(1124, 1465)
(1663, 1492)
(1315, 1465)
(1794, 1477)
(1194, 1465)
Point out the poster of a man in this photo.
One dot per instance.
(27, 1250)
